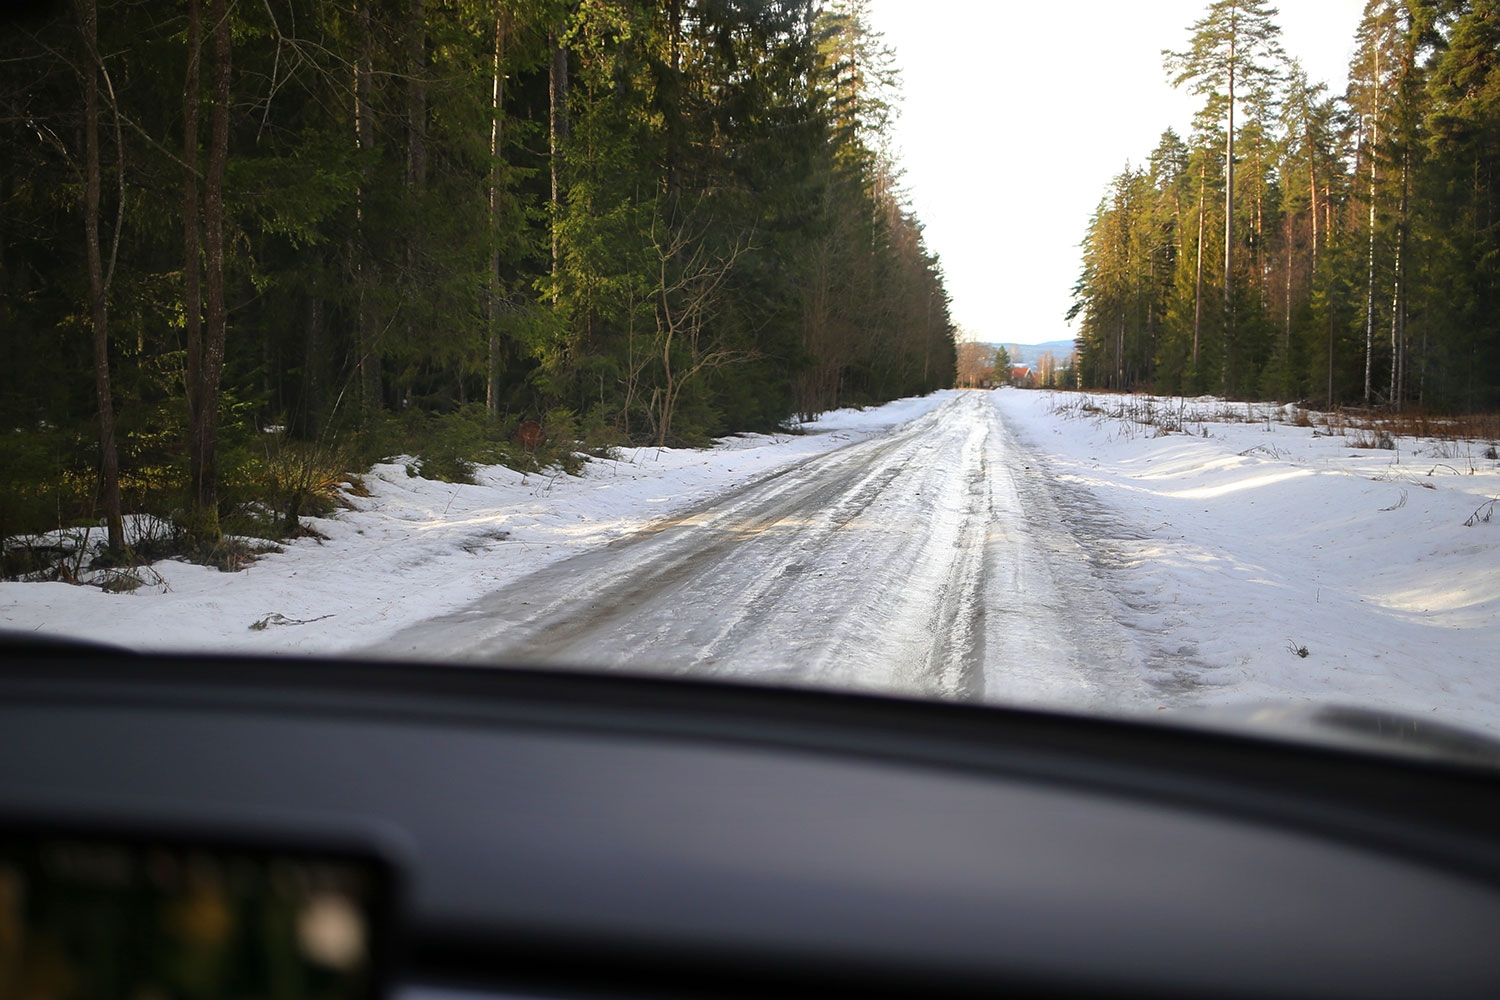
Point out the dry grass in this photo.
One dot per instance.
(1416, 423)
(1461, 444)
(1379, 438)
(1467, 438)
(1483, 513)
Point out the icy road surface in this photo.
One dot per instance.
(930, 561)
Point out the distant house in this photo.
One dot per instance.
(1022, 376)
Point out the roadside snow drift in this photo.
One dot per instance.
(1242, 542)
(416, 548)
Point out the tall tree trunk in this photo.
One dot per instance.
(674, 124)
(1228, 310)
(1198, 285)
(1120, 353)
(416, 98)
(497, 100)
(1398, 296)
(1312, 193)
(557, 79)
(1395, 383)
(192, 248)
(1286, 332)
(1329, 235)
(1229, 179)
(1370, 285)
(314, 351)
(368, 363)
(416, 171)
(1370, 296)
(99, 278)
(204, 439)
(1260, 227)
(1330, 359)
(7, 184)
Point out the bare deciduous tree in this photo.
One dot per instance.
(976, 364)
(688, 292)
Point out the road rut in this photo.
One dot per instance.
(931, 561)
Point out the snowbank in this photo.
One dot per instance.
(416, 548)
(1232, 552)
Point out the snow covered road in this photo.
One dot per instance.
(1060, 550)
(931, 560)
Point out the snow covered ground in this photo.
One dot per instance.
(1220, 551)
(416, 548)
(1236, 549)
(932, 560)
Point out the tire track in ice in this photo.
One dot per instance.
(916, 563)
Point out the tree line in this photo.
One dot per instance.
(231, 227)
(1303, 245)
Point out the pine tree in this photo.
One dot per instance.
(1460, 215)
(1234, 52)
(101, 275)
(382, 211)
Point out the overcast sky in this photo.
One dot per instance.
(1017, 114)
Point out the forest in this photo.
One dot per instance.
(1339, 249)
(248, 247)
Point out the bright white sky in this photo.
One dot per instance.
(1016, 116)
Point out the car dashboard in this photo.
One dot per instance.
(559, 834)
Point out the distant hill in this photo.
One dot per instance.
(1029, 354)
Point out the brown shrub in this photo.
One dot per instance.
(529, 435)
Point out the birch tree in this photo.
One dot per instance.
(688, 294)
